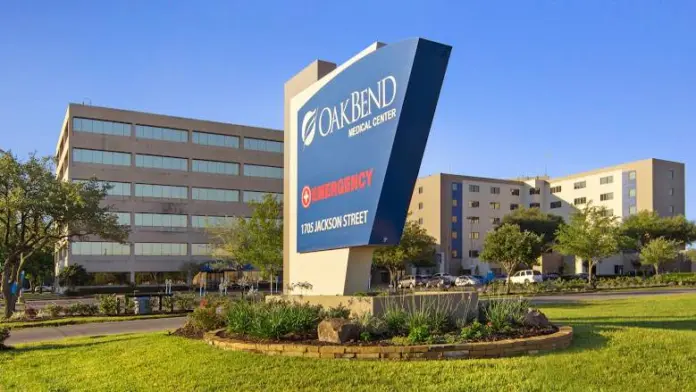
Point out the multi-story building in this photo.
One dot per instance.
(459, 210)
(170, 178)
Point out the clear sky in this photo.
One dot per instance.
(532, 86)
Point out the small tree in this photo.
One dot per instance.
(645, 226)
(39, 268)
(511, 247)
(416, 246)
(73, 275)
(658, 252)
(536, 221)
(257, 240)
(592, 235)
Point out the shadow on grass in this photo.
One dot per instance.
(34, 347)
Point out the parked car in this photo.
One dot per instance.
(467, 280)
(500, 278)
(552, 276)
(437, 282)
(447, 277)
(407, 282)
(421, 280)
(526, 276)
(43, 289)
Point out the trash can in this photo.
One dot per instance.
(142, 305)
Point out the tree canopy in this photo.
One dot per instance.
(592, 235)
(257, 240)
(511, 247)
(659, 251)
(536, 221)
(416, 247)
(39, 211)
(645, 226)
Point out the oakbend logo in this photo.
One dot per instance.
(352, 110)
(348, 184)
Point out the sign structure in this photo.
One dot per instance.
(360, 145)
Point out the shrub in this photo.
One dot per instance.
(52, 310)
(128, 305)
(30, 313)
(184, 301)
(206, 319)
(80, 309)
(273, 320)
(475, 331)
(418, 334)
(168, 303)
(371, 325)
(108, 303)
(4, 335)
(501, 313)
(395, 320)
(239, 317)
(339, 311)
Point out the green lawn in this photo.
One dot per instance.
(81, 320)
(642, 344)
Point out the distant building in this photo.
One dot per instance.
(459, 210)
(171, 177)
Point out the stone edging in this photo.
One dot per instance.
(501, 348)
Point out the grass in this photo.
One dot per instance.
(82, 320)
(644, 344)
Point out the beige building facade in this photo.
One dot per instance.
(459, 210)
(171, 177)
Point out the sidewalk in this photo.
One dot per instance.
(29, 335)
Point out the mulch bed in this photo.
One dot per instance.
(188, 331)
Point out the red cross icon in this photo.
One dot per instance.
(306, 197)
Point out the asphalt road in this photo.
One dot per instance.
(152, 325)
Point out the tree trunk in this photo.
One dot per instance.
(657, 270)
(9, 299)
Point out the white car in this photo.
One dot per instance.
(466, 280)
(527, 276)
(449, 279)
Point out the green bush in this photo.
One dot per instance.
(273, 320)
(80, 309)
(167, 303)
(339, 311)
(475, 331)
(396, 321)
(108, 303)
(205, 319)
(4, 335)
(240, 316)
(128, 305)
(53, 310)
(371, 325)
(185, 301)
(502, 313)
(418, 334)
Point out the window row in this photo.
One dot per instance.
(212, 194)
(101, 157)
(160, 220)
(100, 249)
(201, 249)
(251, 143)
(213, 139)
(100, 126)
(254, 196)
(161, 191)
(227, 168)
(202, 221)
(555, 189)
(140, 248)
(116, 188)
(158, 133)
(263, 171)
(161, 249)
(493, 205)
(160, 162)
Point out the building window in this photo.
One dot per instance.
(157, 133)
(632, 209)
(420, 221)
(160, 162)
(514, 206)
(455, 203)
(671, 209)
(580, 185)
(473, 253)
(420, 206)
(494, 205)
(455, 186)
(606, 196)
(211, 194)
(101, 157)
(202, 221)
(116, 188)
(227, 168)
(632, 175)
(263, 171)
(251, 143)
(160, 220)
(671, 191)
(473, 204)
(632, 192)
(454, 219)
(160, 249)
(100, 126)
(580, 200)
(201, 250)
(534, 205)
(473, 219)
(100, 249)
(618, 270)
(495, 221)
(515, 192)
(671, 173)
(474, 235)
(534, 191)
(454, 235)
(606, 180)
(161, 191)
(123, 218)
(556, 204)
(255, 196)
(555, 189)
(212, 139)
(473, 188)
(495, 190)
(420, 190)
(454, 254)
(607, 212)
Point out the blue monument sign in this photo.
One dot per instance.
(361, 142)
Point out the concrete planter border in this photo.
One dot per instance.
(502, 348)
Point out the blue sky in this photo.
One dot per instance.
(561, 86)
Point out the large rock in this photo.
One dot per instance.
(535, 318)
(337, 331)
